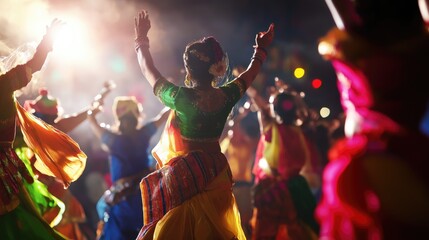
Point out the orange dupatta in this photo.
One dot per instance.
(170, 145)
(57, 154)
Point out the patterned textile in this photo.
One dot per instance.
(288, 203)
(282, 197)
(12, 174)
(180, 180)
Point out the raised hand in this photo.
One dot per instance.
(45, 46)
(52, 32)
(98, 102)
(107, 88)
(264, 39)
(142, 24)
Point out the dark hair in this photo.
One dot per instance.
(285, 107)
(200, 55)
(128, 122)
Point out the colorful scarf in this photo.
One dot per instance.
(57, 154)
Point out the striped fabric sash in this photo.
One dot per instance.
(181, 179)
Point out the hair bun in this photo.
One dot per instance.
(209, 39)
(216, 48)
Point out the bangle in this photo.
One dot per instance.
(257, 59)
(262, 49)
(259, 55)
(141, 42)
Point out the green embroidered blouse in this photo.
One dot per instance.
(194, 120)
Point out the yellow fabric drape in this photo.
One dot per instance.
(213, 214)
(170, 144)
(57, 154)
(224, 144)
(272, 150)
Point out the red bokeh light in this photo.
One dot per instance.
(316, 83)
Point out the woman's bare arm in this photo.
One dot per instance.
(263, 40)
(144, 57)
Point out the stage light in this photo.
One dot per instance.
(325, 48)
(299, 72)
(316, 83)
(325, 112)
(72, 44)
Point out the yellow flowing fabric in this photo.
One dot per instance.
(170, 144)
(211, 214)
(57, 154)
(272, 150)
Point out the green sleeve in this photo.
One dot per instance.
(166, 92)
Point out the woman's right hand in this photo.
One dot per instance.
(264, 39)
(142, 24)
(52, 32)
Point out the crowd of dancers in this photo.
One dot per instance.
(295, 178)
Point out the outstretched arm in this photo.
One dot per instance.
(263, 40)
(70, 122)
(19, 76)
(147, 66)
(45, 46)
(95, 126)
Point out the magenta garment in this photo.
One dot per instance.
(379, 90)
